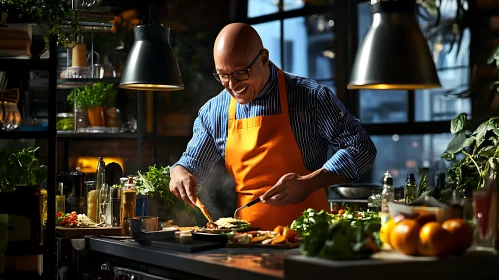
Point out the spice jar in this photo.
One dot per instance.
(128, 199)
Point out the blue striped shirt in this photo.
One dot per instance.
(318, 119)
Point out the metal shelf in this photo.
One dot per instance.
(72, 83)
(16, 134)
(20, 64)
(90, 135)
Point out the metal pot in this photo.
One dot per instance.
(142, 224)
(355, 191)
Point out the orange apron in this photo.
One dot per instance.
(259, 151)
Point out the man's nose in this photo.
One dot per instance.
(233, 83)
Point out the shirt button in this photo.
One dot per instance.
(341, 113)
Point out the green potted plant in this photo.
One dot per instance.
(474, 155)
(20, 169)
(154, 185)
(21, 175)
(94, 99)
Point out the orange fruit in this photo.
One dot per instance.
(279, 229)
(462, 234)
(434, 240)
(385, 231)
(426, 218)
(290, 234)
(278, 239)
(405, 237)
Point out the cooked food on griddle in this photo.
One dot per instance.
(228, 223)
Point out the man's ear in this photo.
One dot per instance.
(265, 57)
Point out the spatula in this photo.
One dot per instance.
(204, 210)
(251, 203)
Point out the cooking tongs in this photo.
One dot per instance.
(204, 210)
(251, 203)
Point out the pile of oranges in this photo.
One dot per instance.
(423, 235)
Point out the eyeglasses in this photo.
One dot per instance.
(240, 75)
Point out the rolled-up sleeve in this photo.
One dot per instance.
(201, 153)
(354, 150)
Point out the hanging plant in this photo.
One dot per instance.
(55, 17)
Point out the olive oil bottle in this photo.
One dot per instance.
(60, 199)
(410, 189)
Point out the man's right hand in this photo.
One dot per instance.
(183, 185)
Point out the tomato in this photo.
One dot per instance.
(59, 214)
(290, 234)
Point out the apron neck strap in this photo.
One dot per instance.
(283, 96)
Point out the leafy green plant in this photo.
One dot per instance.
(20, 167)
(98, 95)
(481, 154)
(494, 59)
(423, 187)
(55, 16)
(155, 183)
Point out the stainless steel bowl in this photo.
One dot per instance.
(142, 224)
(356, 191)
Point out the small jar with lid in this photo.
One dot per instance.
(65, 122)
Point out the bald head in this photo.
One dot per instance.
(237, 46)
(237, 38)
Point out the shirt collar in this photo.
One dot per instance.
(271, 83)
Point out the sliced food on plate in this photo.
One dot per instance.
(228, 224)
(280, 235)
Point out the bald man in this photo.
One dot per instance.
(273, 129)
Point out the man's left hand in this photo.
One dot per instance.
(290, 189)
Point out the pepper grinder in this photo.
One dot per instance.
(115, 207)
(79, 193)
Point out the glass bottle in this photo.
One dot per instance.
(457, 207)
(128, 205)
(60, 199)
(410, 189)
(373, 204)
(103, 203)
(100, 179)
(92, 201)
(387, 195)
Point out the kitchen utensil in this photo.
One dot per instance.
(204, 210)
(142, 224)
(355, 191)
(251, 203)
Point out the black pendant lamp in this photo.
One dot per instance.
(394, 54)
(151, 64)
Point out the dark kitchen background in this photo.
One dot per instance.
(315, 39)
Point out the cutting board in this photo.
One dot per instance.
(75, 233)
(195, 246)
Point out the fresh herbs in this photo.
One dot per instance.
(311, 217)
(98, 95)
(481, 154)
(422, 189)
(342, 240)
(155, 183)
(20, 168)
